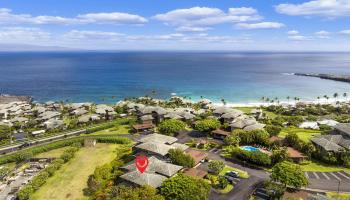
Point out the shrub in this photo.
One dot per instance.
(232, 140)
(39, 180)
(171, 126)
(252, 137)
(178, 157)
(25, 192)
(207, 125)
(182, 187)
(279, 155)
(216, 166)
(273, 130)
(254, 157)
(222, 182)
(68, 154)
(22, 156)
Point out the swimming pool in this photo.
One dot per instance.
(250, 148)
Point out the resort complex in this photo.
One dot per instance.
(195, 150)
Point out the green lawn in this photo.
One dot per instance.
(245, 109)
(227, 189)
(303, 134)
(249, 109)
(320, 167)
(242, 174)
(69, 181)
(340, 196)
(51, 154)
(119, 129)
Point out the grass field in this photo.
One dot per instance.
(304, 134)
(119, 129)
(320, 167)
(249, 109)
(340, 196)
(51, 154)
(69, 181)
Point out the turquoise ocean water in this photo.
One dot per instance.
(238, 77)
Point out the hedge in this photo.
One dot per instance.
(254, 157)
(26, 154)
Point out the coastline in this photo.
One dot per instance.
(322, 101)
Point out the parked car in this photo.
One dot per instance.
(232, 176)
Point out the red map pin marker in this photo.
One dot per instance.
(141, 163)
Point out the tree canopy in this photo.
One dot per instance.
(139, 193)
(289, 174)
(216, 166)
(178, 157)
(207, 125)
(171, 126)
(182, 187)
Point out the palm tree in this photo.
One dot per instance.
(335, 95)
(262, 99)
(318, 100)
(288, 97)
(325, 96)
(223, 101)
(344, 95)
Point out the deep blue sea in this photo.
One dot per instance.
(110, 76)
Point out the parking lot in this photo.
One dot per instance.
(338, 176)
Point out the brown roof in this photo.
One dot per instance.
(221, 132)
(194, 172)
(293, 153)
(143, 126)
(275, 138)
(196, 155)
(9, 99)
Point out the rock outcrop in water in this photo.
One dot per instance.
(344, 78)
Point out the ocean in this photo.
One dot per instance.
(106, 77)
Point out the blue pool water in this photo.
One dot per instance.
(249, 148)
(106, 77)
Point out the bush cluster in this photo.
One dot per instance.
(254, 157)
(171, 126)
(207, 125)
(252, 137)
(179, 158)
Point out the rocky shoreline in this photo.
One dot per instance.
(327, 76)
